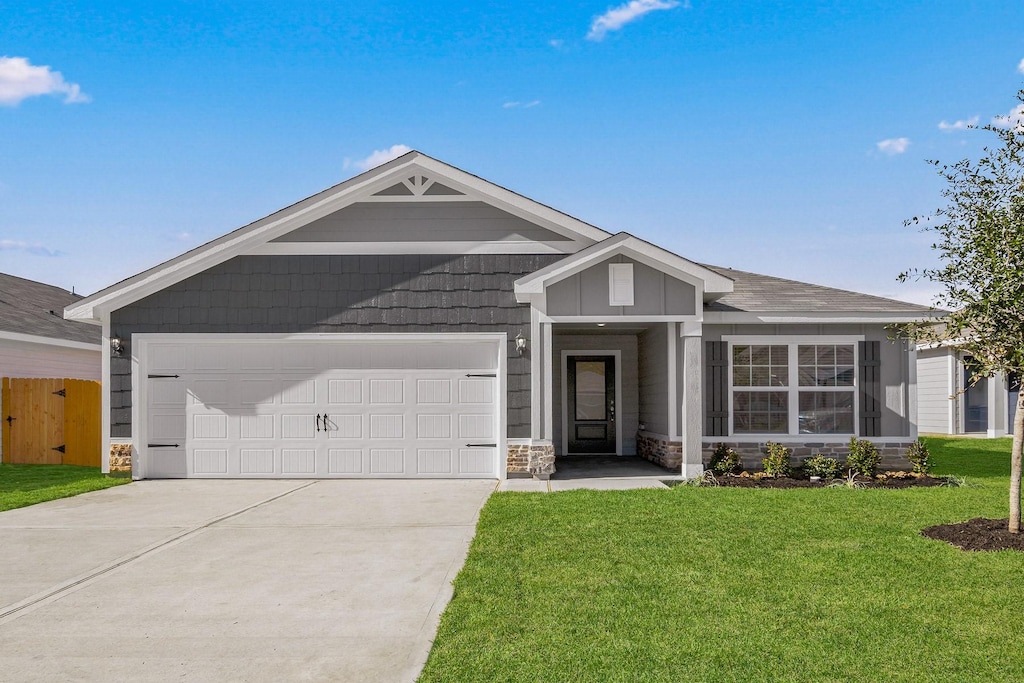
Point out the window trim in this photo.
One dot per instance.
(793, 342)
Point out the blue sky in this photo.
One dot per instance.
(779, 137)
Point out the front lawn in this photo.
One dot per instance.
(22, 485)
(725, 584)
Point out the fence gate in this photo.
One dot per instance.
(51, 421)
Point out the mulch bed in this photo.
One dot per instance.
(798, 483)
(977, 534)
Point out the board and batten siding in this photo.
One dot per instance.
(653, 369)
(587, 293)
(29, 360)
(935, 372)
(894, 366)
(339, 294)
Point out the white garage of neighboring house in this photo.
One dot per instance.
(419, 321)
(948, 403)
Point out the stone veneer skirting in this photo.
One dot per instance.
(659, 450)
(537, 459)
(892, 452)
(120, 457)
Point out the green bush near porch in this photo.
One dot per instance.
(729, 584)
(23, 485)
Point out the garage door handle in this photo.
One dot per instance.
(481, 445)
(318, 422)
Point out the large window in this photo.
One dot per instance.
(793, 388)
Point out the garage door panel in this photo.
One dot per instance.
(476, 426)
(210, 460)
(345, 461)
(387, 461)
(167, 463)
(345, 391)
(257, 461)
(298, 461)
(299, 392)
(345, 426)
(207, 426)
(254, 392)
(300, 426)
(167, 427)
(257, 427)
(476, 391)
(387, 391)
(476, 460)
(434, 461)
(433, 391)
(210, 392)
(387, 426)
(434, 426)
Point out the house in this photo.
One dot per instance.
(41, 355)
(419, 321)
(35, 339)
(949, 404)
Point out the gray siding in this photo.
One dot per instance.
(654, 380)
(628, 408)
(934, 388)
(292, 294)
(421, 222)
(895, 365)
(654, 293)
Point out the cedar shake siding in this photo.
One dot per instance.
(377, 293)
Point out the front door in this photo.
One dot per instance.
(591, 404)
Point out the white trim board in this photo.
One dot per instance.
(49, 341)
(617, 353)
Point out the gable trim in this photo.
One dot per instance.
(624, 244)
(250, 238)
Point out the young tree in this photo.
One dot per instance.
(980, 239)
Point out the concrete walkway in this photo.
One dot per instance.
(232, 580)
(599, 472)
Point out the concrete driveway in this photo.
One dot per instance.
(232, 580)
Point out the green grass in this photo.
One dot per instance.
(22, 485)
(726, 584)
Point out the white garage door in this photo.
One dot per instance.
(246, 409)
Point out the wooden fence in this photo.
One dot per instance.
(51, 421)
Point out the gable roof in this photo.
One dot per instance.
(379, 181)
(36, 309)
(712, 282)
(755, 293)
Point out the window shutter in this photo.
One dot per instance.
(716, 389)
(620, 284)
(870, 388)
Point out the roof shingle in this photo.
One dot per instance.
(30, 307)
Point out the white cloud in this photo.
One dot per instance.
(524, 105)
(378, 157)
(1020, 67)
(962, 124)
(893, 146)
(1015, 119)
(34, 249)
(617, 17)
(20, 80)
(556, 43)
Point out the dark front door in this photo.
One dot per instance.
(591, 404)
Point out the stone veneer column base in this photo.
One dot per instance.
(121, 457)
(660, 450)
(537, 458)
(893, 452)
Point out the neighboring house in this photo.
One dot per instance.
(36, 340)
(949, 404)
(38, 345)
(419, 321)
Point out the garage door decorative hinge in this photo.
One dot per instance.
(482, 375)
(59, 448)
(481, 445)
(162, 376)
(61, 393)
(162, 445)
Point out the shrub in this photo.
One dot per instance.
(919, 457)
(822, 466)
(776, 460)
(725, 460)
(863, 457)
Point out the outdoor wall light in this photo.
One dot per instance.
(116, 346)
(520, 343)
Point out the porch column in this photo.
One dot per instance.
(692, 399)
